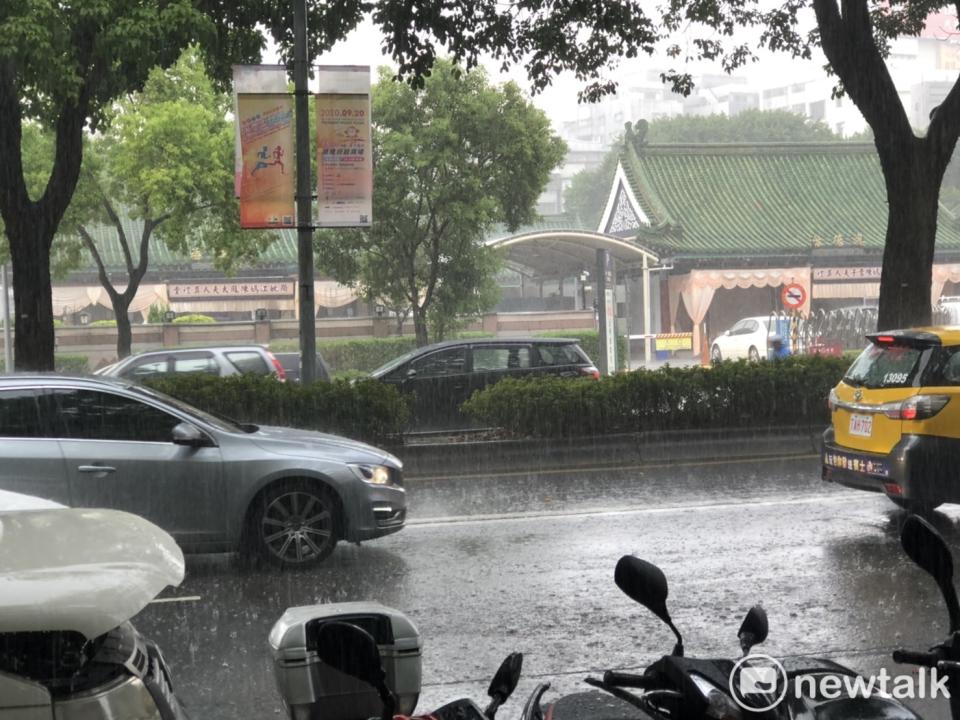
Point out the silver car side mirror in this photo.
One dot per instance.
(189, 435)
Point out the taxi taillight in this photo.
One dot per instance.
(919, 407)
(832, 400)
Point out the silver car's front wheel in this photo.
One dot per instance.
(296, 525)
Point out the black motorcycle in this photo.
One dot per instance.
(677, 687)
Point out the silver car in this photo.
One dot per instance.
(220, 360)
(288, 495)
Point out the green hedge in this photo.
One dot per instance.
(367, 409)
(590, 342)
(66, 364)
(785, 392)
(193, 319)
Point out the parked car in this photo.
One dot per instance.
(215, 485)
(290, 361)
(440, 377)
(221, 360)
(895, 419)
(747, 340)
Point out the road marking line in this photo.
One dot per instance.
(703, 507)
(184, 598)
(612, 468)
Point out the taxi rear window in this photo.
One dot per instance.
(885, 366)
(943, 369)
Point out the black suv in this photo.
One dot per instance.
(441, 376)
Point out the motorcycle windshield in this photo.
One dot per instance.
(84, 570)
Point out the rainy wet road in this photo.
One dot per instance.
(525, 562)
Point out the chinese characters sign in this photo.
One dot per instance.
(239, 289)
(344, 152)
(840, 274)
(266, 139)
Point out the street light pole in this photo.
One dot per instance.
(7, 342)
(308, 327)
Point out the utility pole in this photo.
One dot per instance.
(304, 197)
(5, 305)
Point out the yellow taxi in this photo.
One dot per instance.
(895, 419)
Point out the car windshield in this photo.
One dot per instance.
(394, 364)
(220, 422)
(885, 366)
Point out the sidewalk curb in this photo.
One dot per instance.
(454, 459)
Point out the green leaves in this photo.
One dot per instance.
(747, 126)
(789, 392)
(451, 160)
(366, 410)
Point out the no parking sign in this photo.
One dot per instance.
(793, 296)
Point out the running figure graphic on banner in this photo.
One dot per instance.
(262, 163)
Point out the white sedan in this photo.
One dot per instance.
(747, 339)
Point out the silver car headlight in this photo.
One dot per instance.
(373, 474)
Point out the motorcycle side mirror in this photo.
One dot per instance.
(504, 683)
(353, 651)
(754, 628)
(645, 583)
(927, 548)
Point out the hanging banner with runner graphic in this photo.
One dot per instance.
(252, 80)
(344, 150)
(267, 177)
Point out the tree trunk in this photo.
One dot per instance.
(34, 341)
(121, 308)
(31, 225)
(420, 326)
(913, 192)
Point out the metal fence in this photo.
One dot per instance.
(831, 332)
(828, 332)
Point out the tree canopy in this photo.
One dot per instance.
(855, 35)
(452, 159)
(64, 64)
(165, 159)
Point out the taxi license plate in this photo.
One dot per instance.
(861, 425)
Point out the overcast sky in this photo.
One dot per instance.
(362, 47)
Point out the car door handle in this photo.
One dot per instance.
(106, 469)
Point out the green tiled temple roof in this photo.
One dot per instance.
(763, 198)
(280, 254)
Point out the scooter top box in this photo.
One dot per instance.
(312, 689)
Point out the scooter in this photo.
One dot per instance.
(71, 580)
(354, 652)
(67, 649)
(927, 548)
(677, 687)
